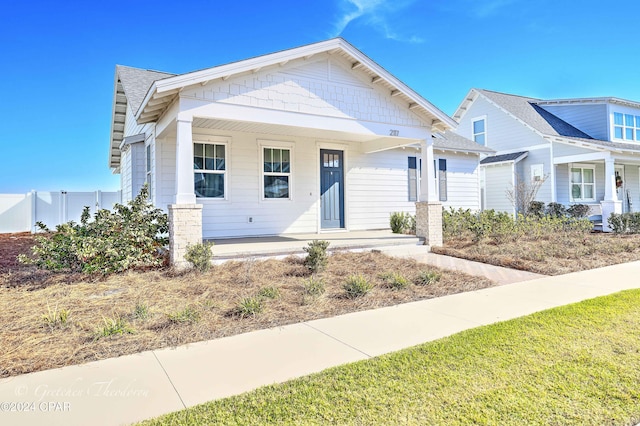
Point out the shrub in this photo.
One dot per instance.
(578, 210)
(269, 293)
(186, 315)
(357, 286)
(400, 222)
(199, 255)
(427, 277)
(317, 258)
(556, 210)
(249, 306)
(113, 326)
(127, 237)
(536, 209)
(314, 287)
(395, 280)
(625, 223)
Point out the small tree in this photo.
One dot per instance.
(523, 192)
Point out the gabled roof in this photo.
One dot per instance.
(529, 112)
(162, 92)
(505, 158)
(450, 141)
(130, 85)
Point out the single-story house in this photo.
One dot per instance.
(587, 150)
(310, 139)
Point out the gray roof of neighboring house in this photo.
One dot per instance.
(504, 157)
(454, 142)
(136, 83)
(527, 110)
(535, 116)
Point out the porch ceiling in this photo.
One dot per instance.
(373, 142)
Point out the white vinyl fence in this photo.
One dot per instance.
(20, 212)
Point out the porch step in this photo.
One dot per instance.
(281, 246)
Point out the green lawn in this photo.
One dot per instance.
(574, 365)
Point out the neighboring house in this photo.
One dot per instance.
(588, 149)
(314, 138)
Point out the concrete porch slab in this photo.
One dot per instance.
(231, 248)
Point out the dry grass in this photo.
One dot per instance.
(165, 308)
(555, 255)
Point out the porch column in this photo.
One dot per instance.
(428, 208)
(610, 204)
(185, 216)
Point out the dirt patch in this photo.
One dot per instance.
(167, 308)
(11, 245)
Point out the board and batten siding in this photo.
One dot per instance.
(503, 132)
(499, 179)
(591, 119)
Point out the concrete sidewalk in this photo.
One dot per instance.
(136, 387)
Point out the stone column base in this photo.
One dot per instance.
(185, 227)
(609, 207)
(429, 222)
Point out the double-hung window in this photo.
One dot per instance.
(583, 183)
(276, 172)
(210, 169)
(479, 130)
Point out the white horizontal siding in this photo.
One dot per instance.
(543, 157)
(463, 190)
(503, 132)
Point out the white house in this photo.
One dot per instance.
(310, 139)
(587, 148)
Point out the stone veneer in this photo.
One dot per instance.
(185, 227)
(429, 222)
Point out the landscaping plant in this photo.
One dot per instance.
(128, 237)
(199, 255)
(316, 259)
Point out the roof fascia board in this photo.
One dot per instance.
(463, 107)
(583, 144)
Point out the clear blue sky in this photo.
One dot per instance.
(58, 60)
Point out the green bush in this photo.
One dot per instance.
(317, 258)
(199, 255)
(427, 277)
(536, 208)
(400, 222)
(269, 293)
(314, 287)
(578, 210)
(128, 237)
(357, 286)
(395, 280)
(625, 223)
(249, 306)
(56, 318)
(186, 315)
(556, 210)
(113, 326)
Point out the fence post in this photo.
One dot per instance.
(33, 218)
(98, 200)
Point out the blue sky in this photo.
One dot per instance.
(59, 58)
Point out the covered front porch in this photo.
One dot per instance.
(607, 182)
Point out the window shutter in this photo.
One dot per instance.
(442, 179)
(413, 179)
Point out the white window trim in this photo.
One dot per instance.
(634, 128)
(148, 164)
(216, 140)
(262, 144)
(486, 133)
(582, 166)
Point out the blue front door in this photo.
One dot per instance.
(331, 189)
